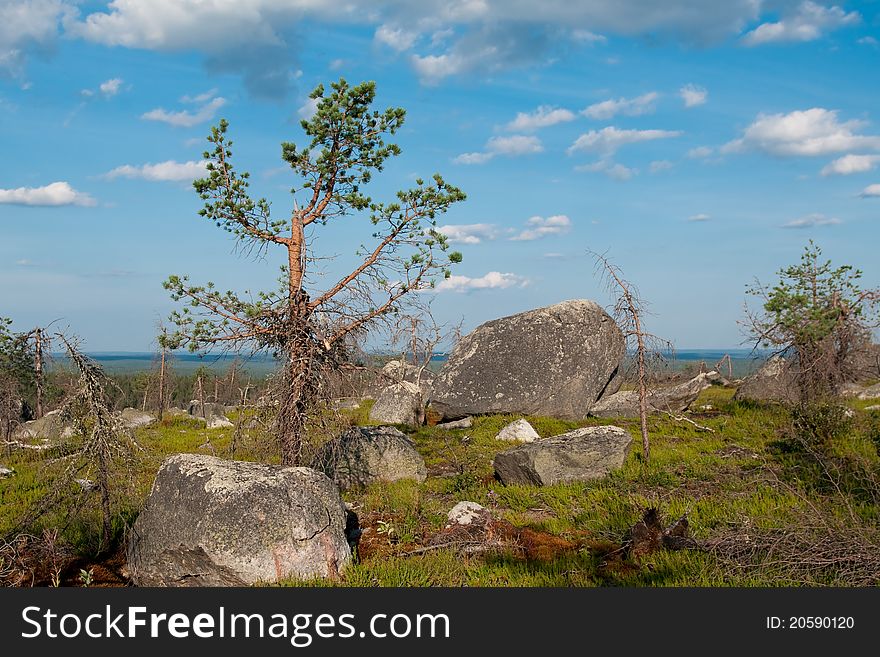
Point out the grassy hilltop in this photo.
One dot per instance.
(751, 494)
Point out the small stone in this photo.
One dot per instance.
(6, 472)
(464, 423)
(466, 513)
(519, 430)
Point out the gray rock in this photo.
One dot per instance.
(132, 418)
(773, 382)
(206, 410)
(399, 370)
(579, 455)
(219, 422)
(875, 407)
(49, 427)
(86, 485)
(211, 522)
(464, 423)
(873, 392)
(399, 403)
(554, 361)
(6, 472)
(519, 430)
(345, 404)
(467, 513)
(363, 455)
(674, 399)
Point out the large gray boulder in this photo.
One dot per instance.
(211, 522)
(579, 455)
(132, 418)
(673, 399)
(774, 381)
(554, 361)
(399, 403)
(49, 427)
(363, 455)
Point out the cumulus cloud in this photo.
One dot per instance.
(53, 194)
(697, 218)
(692, 95)
(871, 190)
(808, 23)
(396, 38)
(811, 132)
(699, 152)
(611, 169)
(110, 87)
(469, 233)
(608, 109)
(609, 140)
(511, 146)
(186, 118)
(169, 171)
(492, 280)
(849, 164)
(538, 227)
(543, 117)
(307, 110)
(28, 27)
(585, 36)
(660, 165)
(811, 221)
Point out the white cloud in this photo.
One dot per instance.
(849, 164)
(185, 118)
(53, 194)
(469, 233)
(811, 132)
(811, 221)
(431, 69)
(608, 140)
(538, 227)
(28, 25)
(307, 110)
(110, 87)
(610, 169)
(696, 218)
(660, 165)
(169, 171)
(585, 36)
(511, 146)
(608, 109)
(870, 190)
(869, 41)
(542, 117)
(473, 158)
(699, 152)
(692, 95)
(514, 145)
(396, 38)
(808, 23)
(198, 99)
(492, 280)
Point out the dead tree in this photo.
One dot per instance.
(629, 308)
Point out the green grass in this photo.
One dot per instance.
(720, 479)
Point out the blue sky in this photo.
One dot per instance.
(700, 144)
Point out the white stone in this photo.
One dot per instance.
(519, 430)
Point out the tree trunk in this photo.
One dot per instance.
(643, 387)
(38, 369)
(292, 412)
(104, 489)
(162, 385)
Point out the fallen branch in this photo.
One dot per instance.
(682, 418)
